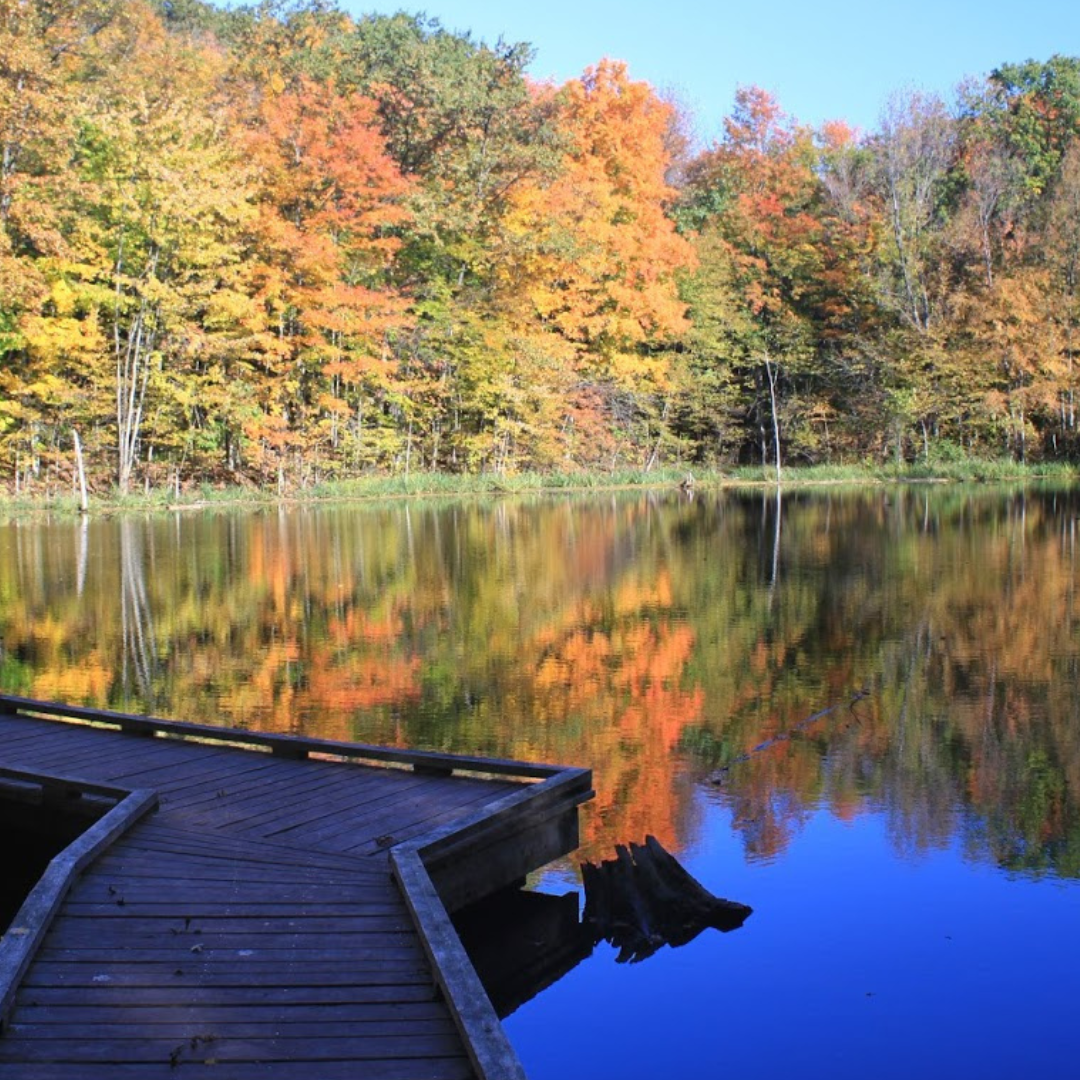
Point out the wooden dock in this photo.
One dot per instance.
(260, 906)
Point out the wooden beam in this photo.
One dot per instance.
(489, 1050)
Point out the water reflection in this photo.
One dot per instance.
(656, 638)
(139, 664)
(521, 942)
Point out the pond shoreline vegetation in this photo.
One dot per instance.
(437, 486)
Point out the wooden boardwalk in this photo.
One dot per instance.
(277, 915)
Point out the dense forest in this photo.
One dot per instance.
(284, 245)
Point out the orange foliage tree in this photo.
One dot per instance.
(592, 256)
(329, 204)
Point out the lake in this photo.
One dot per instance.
(857, 711)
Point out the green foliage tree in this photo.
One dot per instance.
(1042, 102)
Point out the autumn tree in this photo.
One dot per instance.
(1012, 314)
(592, 255)
(44, 48)
(790, 250)
(329, 203)
(1063, 259)
(157, 220)
(463, 119)
(914, 151)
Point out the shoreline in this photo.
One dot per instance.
(435, 486)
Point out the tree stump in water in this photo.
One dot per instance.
(643, 899)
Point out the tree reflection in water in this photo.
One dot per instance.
(653, 637)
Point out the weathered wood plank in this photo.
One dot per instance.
(213, 996)
(398, 817)
(167, 769)
(210, 1050)
(198, 799)
(185, 843)
(192, 972)
(214, 922)
(489, 1049)
(240, 934)
(348, 1013)
(33, 919)
(110, 750)
(250, 774)
(465, 804)
(162, 874)
(21, 734)
(106, 888)
(281, 1026)
(91, 954)
(447, 1068)
(267, 817)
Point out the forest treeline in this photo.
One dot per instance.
(285, 245)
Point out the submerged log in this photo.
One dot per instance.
(643, 899)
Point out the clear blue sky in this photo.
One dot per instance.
(823, 59)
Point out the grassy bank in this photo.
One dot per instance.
(445, 485)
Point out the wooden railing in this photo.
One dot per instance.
(289, 746)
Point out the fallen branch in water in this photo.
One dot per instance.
(719, 775)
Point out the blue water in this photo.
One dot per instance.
(857, 962)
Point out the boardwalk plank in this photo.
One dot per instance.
(202, 798)
(161, 872)
(154, 836)
(209, 1049)
(105, 888)
(282, 1026)
(391, 810)
(239, 935)
(250, 774)
(263, 814)
(406, 827)
(192, 972)
(215, 922)
(211, 996)
(448, 1068)
(88, 953)
(348, 1013)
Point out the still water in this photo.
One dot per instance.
(856, 711)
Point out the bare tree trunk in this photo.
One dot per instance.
(83, 503)
(654, 456)
(132, 352)
(770, 371)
